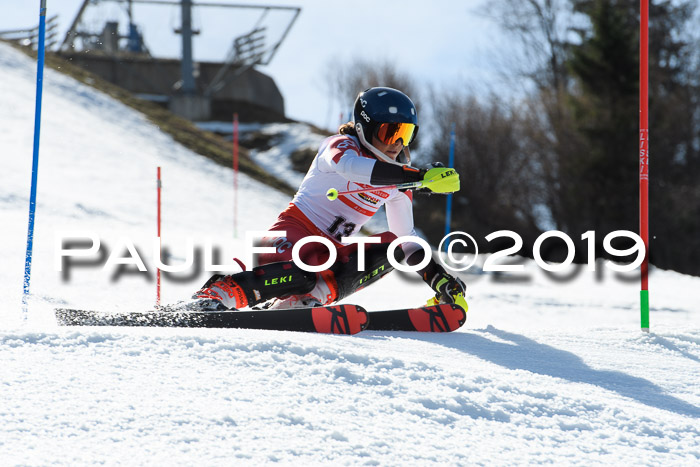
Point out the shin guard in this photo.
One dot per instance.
(248, 288)
(350, 279)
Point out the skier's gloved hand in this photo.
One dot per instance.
(449, 289)
(441, 180)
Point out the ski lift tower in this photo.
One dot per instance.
(188, 102)
(188, 86)
(202, 91)
(247, 50)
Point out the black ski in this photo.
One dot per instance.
(436, 318)
(340, 319)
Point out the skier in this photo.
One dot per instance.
(371, 151)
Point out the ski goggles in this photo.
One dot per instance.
(390, 133)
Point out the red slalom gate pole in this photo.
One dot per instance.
(158, 188)
(644, 157)
(235, 175)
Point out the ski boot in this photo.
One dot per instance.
(249, 288)
(448, 289)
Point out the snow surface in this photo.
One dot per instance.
(546, 370)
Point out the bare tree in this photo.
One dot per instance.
(501, 188)
(347, 79)
(541, 29)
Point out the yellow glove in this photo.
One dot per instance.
(441, 180)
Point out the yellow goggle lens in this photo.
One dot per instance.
(390, 133)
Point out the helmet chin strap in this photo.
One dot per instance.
(407, 154)
(380, 155)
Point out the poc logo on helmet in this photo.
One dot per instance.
(365, 116)
(363, 102)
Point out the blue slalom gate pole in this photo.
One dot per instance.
(448, 211)
(35, 157)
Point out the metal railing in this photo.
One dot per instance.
(30, 37)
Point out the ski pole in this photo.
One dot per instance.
(332, 194)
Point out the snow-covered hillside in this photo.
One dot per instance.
(544, 371)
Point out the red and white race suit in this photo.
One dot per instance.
(341, 163)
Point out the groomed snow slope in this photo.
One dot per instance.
(544, 371)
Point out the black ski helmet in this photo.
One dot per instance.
(388, 114)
